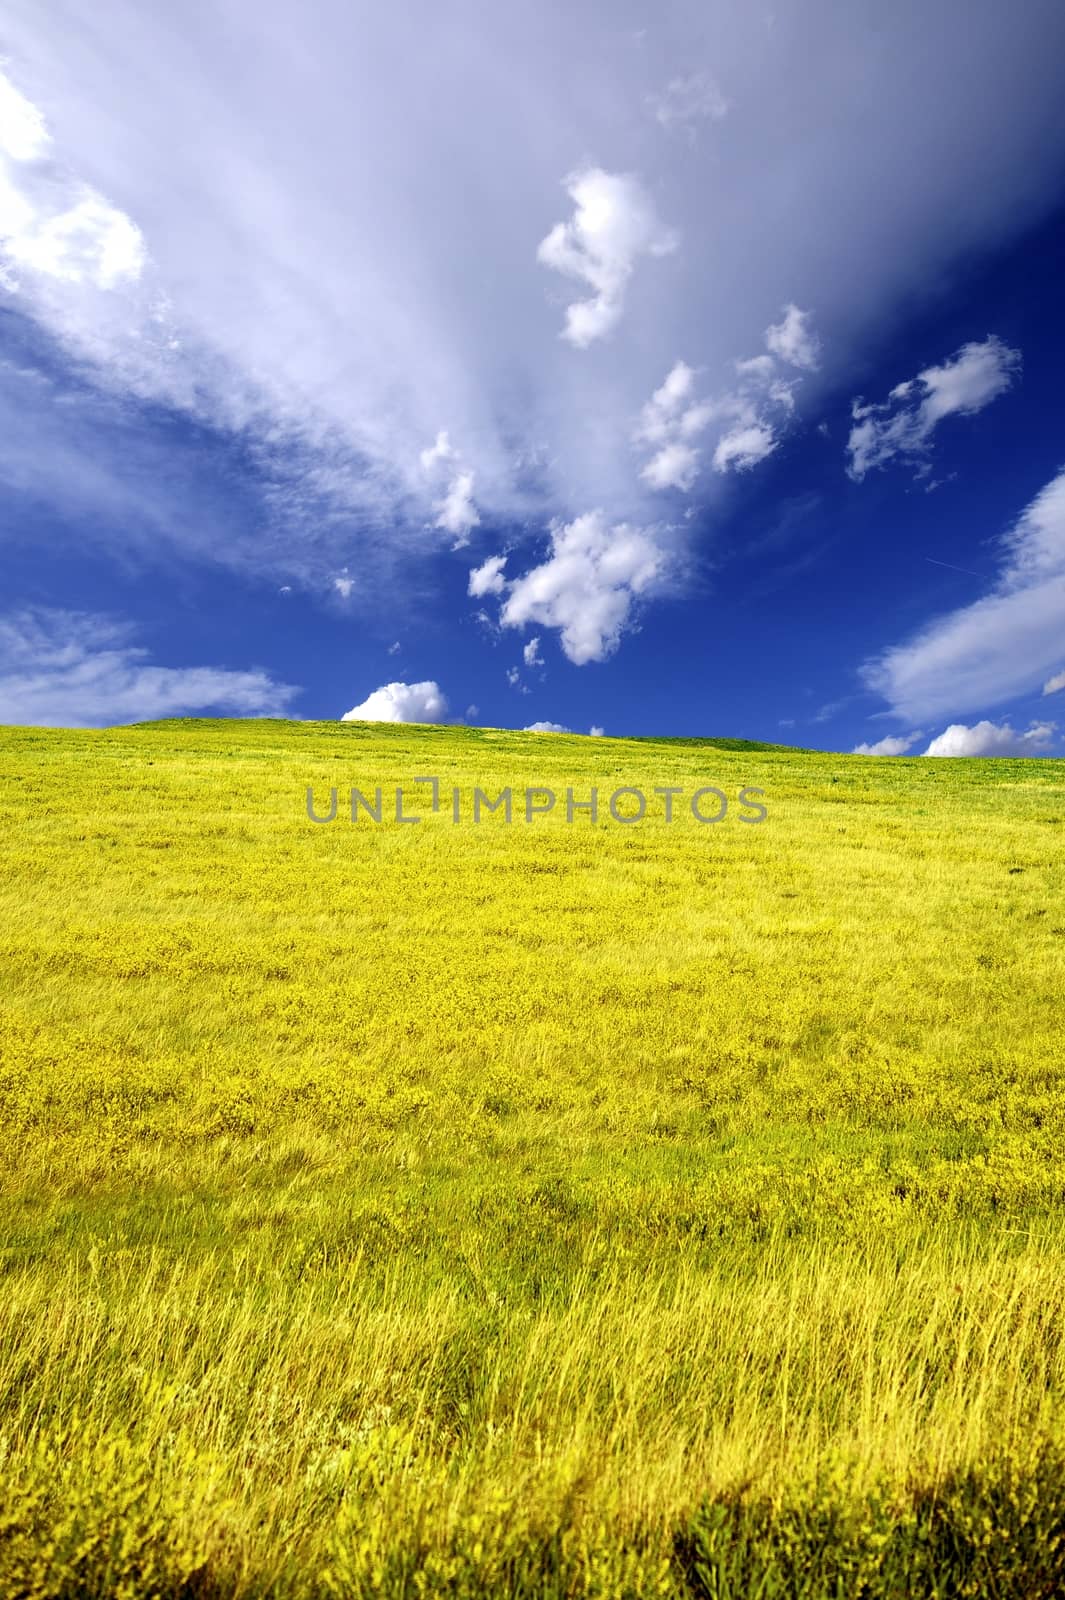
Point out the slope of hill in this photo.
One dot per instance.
(563, 1205)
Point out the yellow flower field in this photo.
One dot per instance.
(543, 1208)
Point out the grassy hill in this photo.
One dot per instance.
(537, 1208)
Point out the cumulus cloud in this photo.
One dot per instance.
(794, 340)
(613, 224)
(904, 423)
(1055, 683)
(1000, 647)
(751, 412)
(668, 406)
(457, 512)
(744, 446)
(74, 669)
(400, 702)
(673, 467)
(988, 739)
(545, 727)
(669, 420)
(587, 585)
(531, 653)
(892, 745)
(595, 732)
(488, 577)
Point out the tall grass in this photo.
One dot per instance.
(527, 1211)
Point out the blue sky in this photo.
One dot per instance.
(686, 370)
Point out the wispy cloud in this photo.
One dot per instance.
(322, 310)
(892, 745)
(903, 424)
(1001, 647)
(686, 101)
(76, 669)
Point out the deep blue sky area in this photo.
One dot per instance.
(542, 432)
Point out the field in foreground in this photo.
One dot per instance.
(544, 1209)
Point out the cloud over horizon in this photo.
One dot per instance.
(401, 702)
(1000, 647)
(74, 669)
(990, 739)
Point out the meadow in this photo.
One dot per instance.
(547, 1209)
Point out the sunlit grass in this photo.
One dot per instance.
(543, 1209)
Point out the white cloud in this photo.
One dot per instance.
(595, 732)
(23, 134)
(343, 586)
(669, 419)
(437, 452)
(904, 423)
(672, 417)
(545, 727)
(75, 669)
(472, 712)
(744, 446)
(488, 577)
(667, 406)
(673, 467)
(757, 369)
(457, 512)
(892, 745)
(688, 100)
(513, 677)
(531, 653)
(394, 648)
(987, 739)
(614, 223)
(1055, 683)
(751, 410)
(53, 225)
(1001, 647)
(400, 702)
(587, 585)
(326, 308)
(90, 242)
(794, 340)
